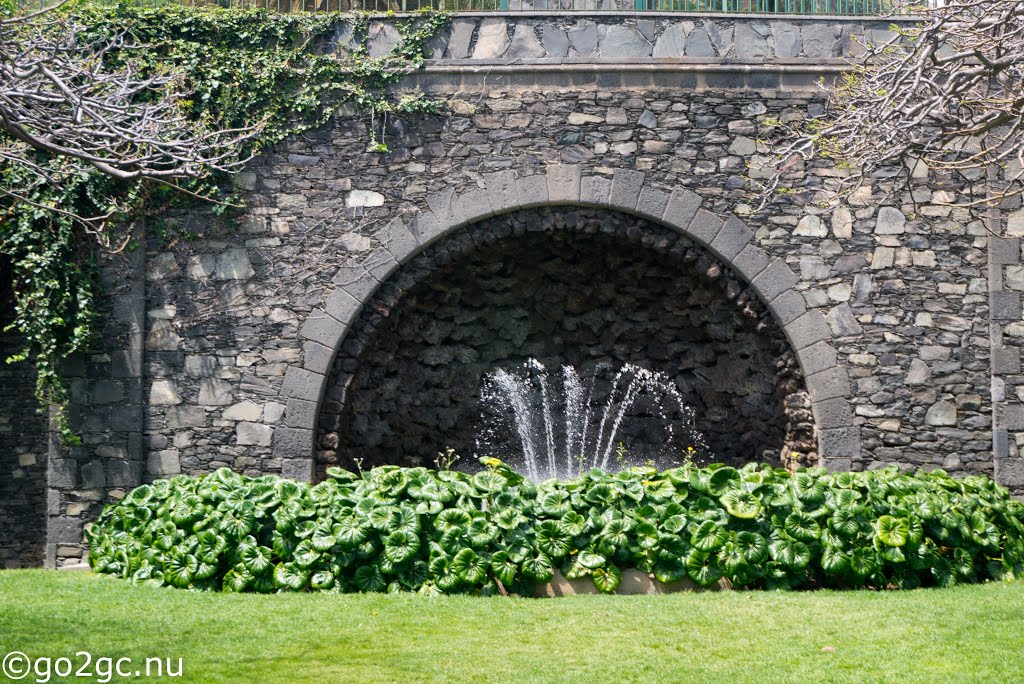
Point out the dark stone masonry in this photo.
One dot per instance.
(584, 195)
(583, 287)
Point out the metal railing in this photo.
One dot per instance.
(790, 7)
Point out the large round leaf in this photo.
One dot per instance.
(753, 546)
(400, 546)
(504, 568)
(538, 569)
(723, 479)
(369, 578)
(256, 559)
(290, 576)
(607, 578)
(670, 570)
(573, 524)
(471, 567)
(892, 531)
(802, 527)
(552, 540)
(703, 568)
(790, 553)
(180, 568)
(452, 517)
(709, 536)
(742, 505)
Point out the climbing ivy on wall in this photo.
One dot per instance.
(243, 68)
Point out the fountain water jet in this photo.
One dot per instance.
(552, 416)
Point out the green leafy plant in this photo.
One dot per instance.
(242, 68)
(414, 529)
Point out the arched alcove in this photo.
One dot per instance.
(591, 288)
(447, 213)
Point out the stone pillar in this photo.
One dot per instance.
(106, 402)
(1006, 334)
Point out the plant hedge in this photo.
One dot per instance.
(414, 529)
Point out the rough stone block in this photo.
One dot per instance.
(185, 417)
(234, 264)
(124, 474)
(1005, 306)
(317, 357)
(164, 393)
(626, 186)
(442, 205)
(829, 384)
(816, 358)
(398, 240)
(325, 329)
(788, 306)
(1004, 251)
(595, 191)
(775, 279)
(681, 208)
(163, 463)
(1006, 360)
(471, 207)
(1000, 446)
(213, 392)
(248, 411)
(651, 203)
(1010, 416)
(750, 262)
(563, 181)
(502, 191)
(832, 413)
(461, 37)
(66, 530)
(300, 383)
(357, 281)
(533, 191)
(300, 414)
(839, 442)
(254, 434)
(704, 227)
(292, 443)
(93, 476)
(731, 239)
(492, 39)
(63, 473)
(342, 307)
(808, 329)
(300, 469)
(426, 228)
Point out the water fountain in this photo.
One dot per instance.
(565, 421)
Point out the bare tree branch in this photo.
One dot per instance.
(74, 99)
(948, 91)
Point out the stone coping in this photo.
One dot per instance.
(660, 14)
(590, 66)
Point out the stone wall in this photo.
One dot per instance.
(900, 281)
(583, 287)
(219, 336)
(23, 456)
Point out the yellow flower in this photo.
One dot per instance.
(492, 462)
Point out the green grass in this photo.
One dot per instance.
(965, 634)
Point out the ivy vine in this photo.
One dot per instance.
(243, 67)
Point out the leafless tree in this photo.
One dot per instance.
(92, 102)
(948, 91)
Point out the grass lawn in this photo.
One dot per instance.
(965, 634)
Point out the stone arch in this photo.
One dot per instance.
(627, 191)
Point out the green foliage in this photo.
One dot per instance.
(377, 532)
(244, 68)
